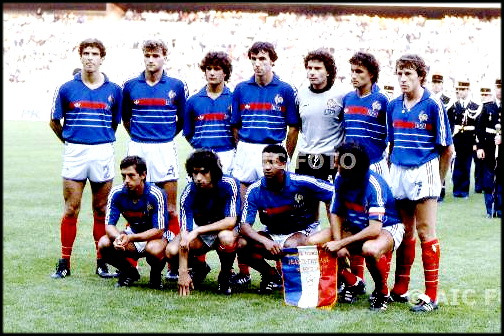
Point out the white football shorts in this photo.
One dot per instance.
(247, 166)
(161, 159)
(226, 158)
(416, 183)
(93, 162)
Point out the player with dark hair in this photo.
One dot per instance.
(284, 201)
(364, 221)
(143, 205)
(366, 122)
(420, 152)
(90, 106)
(210, 206)
(321, 112)
(264, 111)
(208, 112)
(153, 114)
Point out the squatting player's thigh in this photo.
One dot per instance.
(397, 233)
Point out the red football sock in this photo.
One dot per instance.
(430, 257)
(347, 277)
(357, 264)
(201, 258)
(173, 224)
(379, 272)
(133, 262)
(67, 236)
(98, 231)
(242, 267)
(405, 255)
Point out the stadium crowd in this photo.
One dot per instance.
(39, 47)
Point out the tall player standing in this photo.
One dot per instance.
(90, 106)
(264, 111)
(366, 123)
(153, 114)
(421, 148)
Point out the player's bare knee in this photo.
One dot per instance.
(371, 250)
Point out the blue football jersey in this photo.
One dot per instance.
(262, 113)
(89, 114)
(360, 204)
(202, 207)
(290, 209)
(149, 211)
(417, 134)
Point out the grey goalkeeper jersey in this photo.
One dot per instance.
(322, 124)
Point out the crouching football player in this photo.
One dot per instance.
(144, 206)
(285, 203)
(364, 220)
(209, 210)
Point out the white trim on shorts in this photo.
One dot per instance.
(161, 158)
(93, 162)
(397, 233)
(416, 183)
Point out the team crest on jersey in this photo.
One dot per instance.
(171, 94)
(278, 101)
(375, 109)
(110, 99)
(331, 107)
(200, 117)
(422, 119)
(150, 207)
(298, 198)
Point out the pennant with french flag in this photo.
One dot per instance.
(310, 277)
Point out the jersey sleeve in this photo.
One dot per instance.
(116, 107)
(250, 207)
(113, 212)
(376, 201)
(188, 128)
(292, 107)
(233, 202)
(444, 135)
(186, 213)
(182, 95)
(160, 212)
(235, 108)
(126, 103)
(57, 111)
